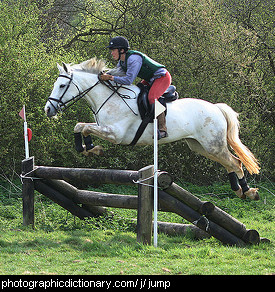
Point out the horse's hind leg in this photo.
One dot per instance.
(231, 163)
(237, 180)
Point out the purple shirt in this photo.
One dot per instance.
(134, 64)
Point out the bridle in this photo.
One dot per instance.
(62, 106)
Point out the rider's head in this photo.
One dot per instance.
(119, 46)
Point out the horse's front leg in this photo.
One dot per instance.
(88, 147)
(88, 129)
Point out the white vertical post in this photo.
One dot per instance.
(22, 114)
(159, 108)
(156, 175)
(155, 182)
(27, 153)
(26, 139)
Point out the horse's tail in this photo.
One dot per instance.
(245, 155)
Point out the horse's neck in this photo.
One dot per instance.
(101, 98)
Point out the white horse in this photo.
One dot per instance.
(206, 127)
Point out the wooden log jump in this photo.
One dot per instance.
(88, 175)
(213, 214)
(54, 182)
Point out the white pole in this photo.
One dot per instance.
(155, 181)
(26, 140)
(27, 154)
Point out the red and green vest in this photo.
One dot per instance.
(148, 67)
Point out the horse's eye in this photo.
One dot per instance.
(62, 86)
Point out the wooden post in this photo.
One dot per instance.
(145, 205)
(28, 192)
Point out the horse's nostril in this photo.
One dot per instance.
(47, 111)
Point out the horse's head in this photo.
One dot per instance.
(63, 92)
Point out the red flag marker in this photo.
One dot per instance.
(22, 113)
(29, 134)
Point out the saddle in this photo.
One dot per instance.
(146, 110)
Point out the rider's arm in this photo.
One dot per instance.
(134, 63)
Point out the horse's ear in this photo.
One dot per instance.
(60, 68)
(65, 67)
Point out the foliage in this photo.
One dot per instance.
(220, 51)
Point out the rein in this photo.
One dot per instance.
(115, 90)
(62, 106)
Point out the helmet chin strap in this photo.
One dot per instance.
(119, 53)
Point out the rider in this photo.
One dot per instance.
(136, 64)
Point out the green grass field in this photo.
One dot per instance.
(62, 244)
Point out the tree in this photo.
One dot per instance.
(215, 51)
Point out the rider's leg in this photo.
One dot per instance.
(157, 89)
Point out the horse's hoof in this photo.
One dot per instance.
(240, 193)
(252, 194)
(97, 150)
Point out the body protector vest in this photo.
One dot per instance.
(148, 67)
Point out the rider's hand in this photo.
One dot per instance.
(106, 77)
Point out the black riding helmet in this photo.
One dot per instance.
(119, 42)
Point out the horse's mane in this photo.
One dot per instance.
(93, 66)
(96, 66)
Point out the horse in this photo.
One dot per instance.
(207, 128)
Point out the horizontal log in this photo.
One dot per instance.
(88, 175)
(107, 200)
(96, 199)
(92, 198)
(178, 229)
(182, 229)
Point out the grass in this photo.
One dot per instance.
(62, 244)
